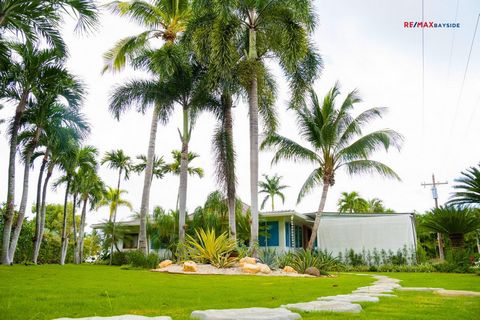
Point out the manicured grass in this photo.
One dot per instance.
(46, 292)
(50, 291)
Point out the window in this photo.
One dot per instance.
(130, 241)
(269, 236)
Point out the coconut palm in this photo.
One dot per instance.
(112, 198)
(352, 202)
(71, 162)
(166, 20)
(35, 71)
(454, 222)
(272, 187)
(467, 188)
(337, 141)
(117, 159)
(258, 28)
(41, 118)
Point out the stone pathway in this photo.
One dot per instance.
(246, 314)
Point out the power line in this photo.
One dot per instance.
(423, 70)
(453, 42)
(465, 74)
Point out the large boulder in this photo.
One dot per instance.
(251, 268)
(265, 269)
(312, 271)
(165, 263)
(289, 269)
(190, 266)
(248, 260)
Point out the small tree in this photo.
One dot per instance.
(454, 222)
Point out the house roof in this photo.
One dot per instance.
(305, 217)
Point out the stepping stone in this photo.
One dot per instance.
(332, 306)
(457, 293)
(121, 317)
(374, 289)
(350, 298)
(378, 294)
(246, 314)
(422, 289)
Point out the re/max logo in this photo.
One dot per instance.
(430, 24)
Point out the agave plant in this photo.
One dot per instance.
(455, 222)
(207, 247)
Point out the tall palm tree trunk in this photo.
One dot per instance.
(147, 182)
(23, 201)
(230, 165)
(23, 205)
(183, 177)
(81, 232)
(253, 111)
(39, 195)
(74, 226)
(43, 209)
(115, 215)
(9, 213)
(63, 252)
(318, 216)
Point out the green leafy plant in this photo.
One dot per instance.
(207, 247)
(304, 259)
(269, 257)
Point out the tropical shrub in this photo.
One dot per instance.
(285, 259)
(152, 260)
(136, 258)
(207, 247)
(269, 256)
(304, 259)
(119, 258)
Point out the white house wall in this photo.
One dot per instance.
(389, 232)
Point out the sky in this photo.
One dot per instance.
(364, 45)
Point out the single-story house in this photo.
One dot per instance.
(286, 230)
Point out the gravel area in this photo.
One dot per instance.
(209, 269)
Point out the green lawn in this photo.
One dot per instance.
(46, 292)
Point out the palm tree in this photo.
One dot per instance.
(35, 71)
(159, 166)
(58, 143)
(175, 168)
(166, 20)
(117, 159)
(41, 118)
(455, 222)
(272, 187)
(336, 141)
(257, 28)
(352, 202)
(71, 162)
(91, 189)
(468, 186)
(34, 19)
(112, 199)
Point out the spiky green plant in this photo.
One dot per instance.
(207, 247)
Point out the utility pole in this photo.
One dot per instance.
(434, 185)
